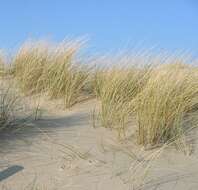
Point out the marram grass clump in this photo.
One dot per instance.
(54, 69)
(14, 111)
(167, 107)
(4, 67)
(64, 78)
(116, 88)
(162, 99)
(29, 64)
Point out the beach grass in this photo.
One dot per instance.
(167, 106)
(41, 67)
(159, 94)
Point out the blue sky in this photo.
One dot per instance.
(109, 24)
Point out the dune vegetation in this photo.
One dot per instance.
(14, 111)
(167, 106)
(161, 97)
(116, 88)
(54, 69)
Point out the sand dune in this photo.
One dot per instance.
(63, 151)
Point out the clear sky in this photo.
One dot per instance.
(109, 24)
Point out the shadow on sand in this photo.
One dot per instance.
(35, 128)
(10, 171)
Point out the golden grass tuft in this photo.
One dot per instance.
(161, 98)
(29, 64)
(3, 67)
(54, 69)
(14, 112)
(168, 104)
(116, 88)
(65, 76)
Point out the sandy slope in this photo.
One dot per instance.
(64, 151)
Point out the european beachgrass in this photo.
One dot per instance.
(167, 107)
(64, 76)
(2, 64)
(51, 68)
(116, 88)
(28, 65)
(14, 111)
(161, 98)
(8, 100)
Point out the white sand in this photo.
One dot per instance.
(63, 151)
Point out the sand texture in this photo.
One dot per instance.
(63, 151)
